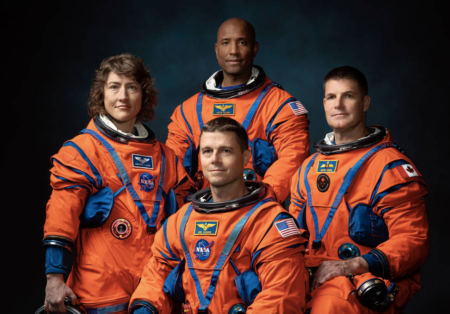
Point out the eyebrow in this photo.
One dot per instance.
(220, 147)
(346, 92)
(114, 82)
(228, 38)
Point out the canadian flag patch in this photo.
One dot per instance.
(407, 171)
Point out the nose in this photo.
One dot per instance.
(234, 48)
(215, 158)
(123, 94)
(339, 102)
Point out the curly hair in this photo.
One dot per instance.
(131, 66)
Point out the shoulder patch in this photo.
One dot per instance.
(297, 108)
(407, 171)
(287, 227)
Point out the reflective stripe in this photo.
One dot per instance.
(127, 182)
(349, 176)
(270, 128)
(108, 309)
(199, 111)
(391, 165)
(206, 300)
(185, 120)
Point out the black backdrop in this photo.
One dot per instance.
(57, 45)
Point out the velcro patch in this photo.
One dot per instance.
(407, 171)
(140, 161)
(287, 227)
(206, 227)
(327, 166)
(224, 109)
(298, 108)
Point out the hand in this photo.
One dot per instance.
(55, 292)
(331, 269)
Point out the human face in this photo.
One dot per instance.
(221, 157)
(344, 107)
(235, 50)
(123, 98)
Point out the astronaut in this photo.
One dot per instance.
(239, 249)
(362, 201)
(276, 122)
(113, 186)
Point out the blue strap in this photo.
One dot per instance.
(350, 175)
(254, 107)
(108, 309)
(206, 300)
(199, 111)
(127, 182)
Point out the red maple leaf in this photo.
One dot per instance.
(409, 169)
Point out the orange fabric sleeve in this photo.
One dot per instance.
(177, 139)
(291, 141)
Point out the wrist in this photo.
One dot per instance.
(357, 266)
(55, 277)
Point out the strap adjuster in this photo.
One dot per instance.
(151, 230)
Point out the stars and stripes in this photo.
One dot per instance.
(298, 108)
(287, 227)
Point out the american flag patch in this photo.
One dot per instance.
(298, 108)
(287, 227)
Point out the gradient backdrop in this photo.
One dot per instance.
(401, 48)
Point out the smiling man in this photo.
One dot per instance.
(362, 201)
(275, 121)
(233, 249)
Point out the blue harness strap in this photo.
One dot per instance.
(251, 112)
(150, 222)
(206, 300)
(350, 175)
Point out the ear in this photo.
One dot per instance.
(247, 155)
(216, 50)
(255, 49)
(366, 103)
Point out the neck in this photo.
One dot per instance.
(124, 126)
(352, 134)
(229, 192)
(233, 80)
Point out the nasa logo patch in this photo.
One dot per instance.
(323, 182)
(225, 109)
(147, 182)
(121, 228)
(203, 249)
(140, 161)
(327, 166)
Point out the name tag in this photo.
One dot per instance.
(327, 166)
(225, 109)
(206, 227)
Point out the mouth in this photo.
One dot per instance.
(123, 107)
(234, 61)
(339, 114)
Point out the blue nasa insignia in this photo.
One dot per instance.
(225, 109)
(140, 161)
(147, 182)
(203, 249)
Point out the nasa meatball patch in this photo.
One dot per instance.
(140, 161)
(407, 171)
(203, 249)
(147, 182)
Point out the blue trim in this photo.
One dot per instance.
(168, 257)
(251, 112)
(185, 120)
(86, 158)
(108, 309)
(297, 204)
(349, 176)
(61, 178)
(157, 202)
(254, 256)
(388, 191)
(384, 211)
(269, 128)
(199, 110)
(389, 166)
(88, 177)
(206, 300)
(77, 186)
(375, 264)
(298, 182)
(167, 241)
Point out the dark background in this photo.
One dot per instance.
(56, 46)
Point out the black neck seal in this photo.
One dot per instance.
(120, 137)
(377, 134)
(236, 92)
(201, 199)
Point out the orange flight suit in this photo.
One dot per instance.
(383, 193)
(107, 267)
(277, 260)
(275, 121)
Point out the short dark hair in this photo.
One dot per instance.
(349, 73)
(128, 65)
(224, 124)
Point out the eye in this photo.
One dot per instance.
(225, 43)
(349, 95)
(242, 42)
(331, 97)
(113, 87)
(132, 87)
